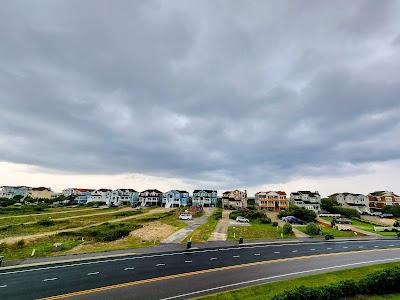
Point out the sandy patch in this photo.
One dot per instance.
(154, 231)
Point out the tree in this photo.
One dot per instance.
(299, 212)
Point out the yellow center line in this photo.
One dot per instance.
(138, 282)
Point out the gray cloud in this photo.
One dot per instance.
(242, 93)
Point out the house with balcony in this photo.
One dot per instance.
(100, 195)
(81, 195)
(151, 197)
(378, 200)
(271, 200)
(308, 200)
(206, 198)
(234, 199)
(358, 202)
(175, 198)
(12, 191)
(125, 197)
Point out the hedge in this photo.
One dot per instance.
(380, 282)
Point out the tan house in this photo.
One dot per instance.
(378, 200)
(40, 193)
(235, 199)
(271, 200)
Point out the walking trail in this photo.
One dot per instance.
(44, 234)
(221, 230)
(180, 235)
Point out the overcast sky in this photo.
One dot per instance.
(188, 94)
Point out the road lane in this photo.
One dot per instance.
(27, 283)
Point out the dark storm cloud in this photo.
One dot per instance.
(242, 93)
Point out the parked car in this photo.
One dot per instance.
(378, 213)
(242, 219)
(293, 220)
(185, 216)
(386, 216)
(95, 206)
(342, 221)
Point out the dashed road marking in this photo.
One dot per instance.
(236, 256)
(276, 252)
(312, 249)
(159, 265)
(129, 268)
(93, 273)
(3, 286)
(188, 261)
(257, 254)
(294, 251)
(50, 279)
(213, 258)
(345, 247)
(328, 248)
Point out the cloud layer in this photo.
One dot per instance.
(228, 92)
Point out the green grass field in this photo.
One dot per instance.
(326, 230)
(269, 290)
(256, 231)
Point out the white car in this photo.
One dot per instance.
(242, 219)
(185, 217)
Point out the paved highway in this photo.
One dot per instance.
(186, 274)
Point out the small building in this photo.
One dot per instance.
(125, 197)
(308, 200)
(358, 202)
(378, 200)
(100, 195)
(40, 193)
(271, 200)
(175, 198)
(206, 198)
(235, 199)
(81, 195)
(151, 197)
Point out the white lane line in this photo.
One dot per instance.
(312, 249)
(72, 264)
(236, 256)
(188, 261)
(213, 258)
(3, 286)
(276, 252)
(345, 247)
(294, 251)
(328, 248)
(360, 247)
(129, 268)
(257, 254)
(93, 273)
(376, 246)
(50, 279)
(159, 265)
(391, 245)
(277, 276)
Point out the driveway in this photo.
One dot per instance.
(221, 230)
(178, 236)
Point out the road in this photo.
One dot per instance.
(179, 275)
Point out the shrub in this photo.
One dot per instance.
(46, 222)
(20, 244)
(274, 223)
(217, 214)
(396, 224)
(249, 214)
(392, 209)
(128, 213)
(287, 229)
(313, 229)
(265, 220)
(299, 212)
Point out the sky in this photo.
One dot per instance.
(256, 95)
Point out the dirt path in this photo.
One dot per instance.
(76, 217)
(44, 234)
(221, 230)
(50, 213)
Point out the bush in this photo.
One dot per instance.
(392, 209)
(313, 229)
(249, 214)
(46, 222)
(274, 223)
(217, 214)
(128, 213)
(287, 229)
(265, 220)
(299, 212)
(332, 206)
(20, 244)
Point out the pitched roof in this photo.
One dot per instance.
(207, 191)
(40, 188)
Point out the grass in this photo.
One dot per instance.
(202, 233)
(269, 290)
(328, 230)
(366, 226)
(256, 230)
(173, 221)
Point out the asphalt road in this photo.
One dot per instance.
(164, 276)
